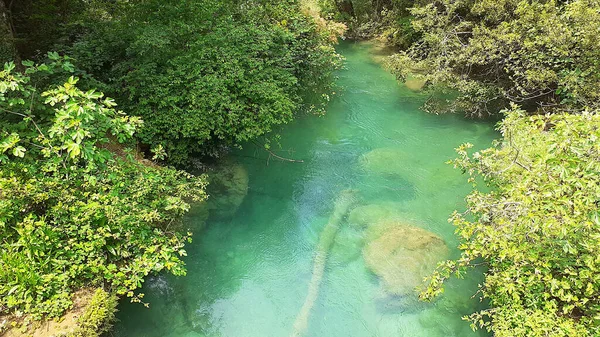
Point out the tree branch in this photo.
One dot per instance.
(271, 153)
(25, 116)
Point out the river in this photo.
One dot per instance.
(305, 253)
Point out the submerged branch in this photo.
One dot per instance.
(345, 200)
(273, 154)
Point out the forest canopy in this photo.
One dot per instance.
(542, 55)
(208, 74)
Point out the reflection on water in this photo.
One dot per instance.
(250, 269)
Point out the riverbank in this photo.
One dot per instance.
(92, 314)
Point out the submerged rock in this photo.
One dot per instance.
(228, 186)
(403, 255)
(386, 160)
(197, 216)
(364, 223)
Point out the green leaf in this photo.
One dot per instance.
(19, 151)
(73, 149)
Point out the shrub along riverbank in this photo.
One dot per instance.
(536, 63)
(72, 213)
(80, 205)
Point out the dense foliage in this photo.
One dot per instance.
(73, 213)
(205, 74)
(389, 20)
(7, 49)
(539, 54)
(538, 231)
(36, 26)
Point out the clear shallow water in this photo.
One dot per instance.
(248, 275)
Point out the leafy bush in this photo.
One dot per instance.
(72, 213)
(539, 54)
(205, 74)
(388, 20)
(538, 231)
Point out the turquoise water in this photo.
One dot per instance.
(250, 269)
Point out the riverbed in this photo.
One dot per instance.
(252, 269)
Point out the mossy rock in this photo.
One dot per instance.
(228, 186)
(197, 216)
(415, 84)
(375, 230)
(403, 255)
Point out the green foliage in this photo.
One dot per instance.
(73, 213)
(205, 74)
(539, 54)
(98, 315)
(539, 230)
(387, 19)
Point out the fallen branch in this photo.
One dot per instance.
(273, 154)
(345, 200)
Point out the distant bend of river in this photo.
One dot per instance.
(330, 247)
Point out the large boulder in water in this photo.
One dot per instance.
(415, 84)
(403, 255)
(227, 188)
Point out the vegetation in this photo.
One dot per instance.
(536, 232)
(7, 48)
(208, 74)
(73, 213)
(80, 206)
(204, 74)
(540, 54)
(98, 315)
(538, 229)
(389, 20)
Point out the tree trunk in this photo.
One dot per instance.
(8, 51)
